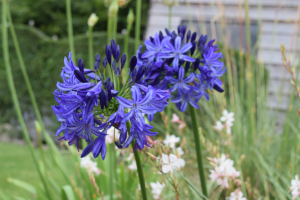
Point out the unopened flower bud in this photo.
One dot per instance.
(38, 127)
(113, 9)
(105, 62)
(123, 60)
(92, 19)
(171, 2)
(130, 16)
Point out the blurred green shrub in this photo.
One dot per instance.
(44, 59)
(50, 15)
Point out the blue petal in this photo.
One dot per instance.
(136, 94)
(97, 146)
(129, 140)
(181, 73)
(183, 106)
(83, 86)
(87, 150)
(177, 43)
(128, 116)
(186, 47)
(177, 99)
(148, 110)
(194, 104)
(187, 58)
(124, 102)
(189, 78)
(175, 63)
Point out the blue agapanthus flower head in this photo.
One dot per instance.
(185, 66)
(90, 102)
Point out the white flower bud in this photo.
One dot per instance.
(92, 19)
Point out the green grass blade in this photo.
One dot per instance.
(67, 193)
(22, 184)
(3, 196)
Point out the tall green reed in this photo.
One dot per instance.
(138, 23)
(15, 97)
(70, 28)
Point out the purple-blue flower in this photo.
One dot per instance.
(177, 52)
(180, 84)
(89, 103)
(155, 47)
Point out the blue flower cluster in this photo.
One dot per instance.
(188, 68)
(89, 103)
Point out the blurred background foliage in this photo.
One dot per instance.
(44, 59)
(50, 16)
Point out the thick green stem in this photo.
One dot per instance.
(70, 28)
(91, 52)
(169, 115)
(115, 26)
(138, 23)
(139, 167)
(198, 150)
(14, 94)
(111, 169)
(109, 22)
(170, 17)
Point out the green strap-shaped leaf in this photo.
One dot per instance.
(26, 186)
(67, 193)
(3, 196)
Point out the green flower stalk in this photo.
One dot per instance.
(70, 28)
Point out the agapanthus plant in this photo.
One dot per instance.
(188, 68)
(90, 102)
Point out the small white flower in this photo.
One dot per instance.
(133, 166)
(179, 151)
(156, 189)
(92, 19)
(295, 188)
(90, 166)
(139, 186)
(223, 171)
(110, 135)
(227, 117)
(171, 162)
(171, 140)
(219, 126)
(236, 195)
(31, 22)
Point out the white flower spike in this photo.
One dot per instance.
(224, 171)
